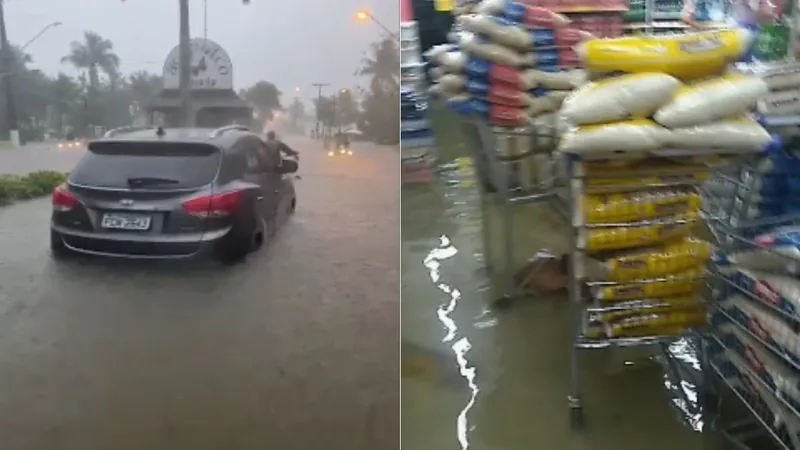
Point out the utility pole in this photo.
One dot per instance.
(185, 52)
(319, 87)
(6, 62)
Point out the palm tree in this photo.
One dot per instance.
(144, 85)
(383, 65)
(65, 94)
(93, 55)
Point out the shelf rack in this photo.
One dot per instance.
(733, 374)
(583, 312)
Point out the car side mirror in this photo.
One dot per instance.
(288, 166)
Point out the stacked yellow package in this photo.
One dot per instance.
(639, 208)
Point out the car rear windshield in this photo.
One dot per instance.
(149, 165)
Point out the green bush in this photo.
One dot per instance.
(32, 185)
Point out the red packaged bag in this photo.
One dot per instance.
(568, 58)
(507, 116)
(538, 17)
(504, 95)
(507, 76)
(567, 37)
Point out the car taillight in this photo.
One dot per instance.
(219, 205)
(63, 200)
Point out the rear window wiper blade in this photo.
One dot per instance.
(141, 181)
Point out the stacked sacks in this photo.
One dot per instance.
(673, 96)
(447, 72)
(463, 7)
(662, 106)
(783, 80)
(766, 189)
(514, 53)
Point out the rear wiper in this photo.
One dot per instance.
(141, 181)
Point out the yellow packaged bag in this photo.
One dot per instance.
(658, 262)
(657, 324)
(685, 56)
(674, 305)
(682, 283)
(601, 174)
(634, 206)
(618, 238)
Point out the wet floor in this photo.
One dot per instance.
(479, 378)
(288, 350)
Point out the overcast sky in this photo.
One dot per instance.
(291, 43)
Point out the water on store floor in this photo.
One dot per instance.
(487, 379)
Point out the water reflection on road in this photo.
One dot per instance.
(288, 350)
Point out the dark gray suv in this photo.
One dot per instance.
(174, 193)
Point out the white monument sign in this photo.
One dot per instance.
(211, 66)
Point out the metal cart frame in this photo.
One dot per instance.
(496, 173)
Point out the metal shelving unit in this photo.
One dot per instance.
(582, 312)
(735, 344)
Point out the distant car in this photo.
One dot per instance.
(72, 143)
(335, 148)
(173, 193)
(340, 151)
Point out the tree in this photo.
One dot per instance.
(380, 116)
(145, 85)
(66, 94)
(382, 65)
(265, 97)
(324, 107)
(93, 55)
(347, 111)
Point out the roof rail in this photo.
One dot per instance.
(222, 130)
(128, 129)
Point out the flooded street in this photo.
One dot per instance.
(288, 350)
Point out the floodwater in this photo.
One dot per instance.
(296, 348)
(483, 378)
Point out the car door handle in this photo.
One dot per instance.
(259, 198)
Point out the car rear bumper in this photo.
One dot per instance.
(132, 246)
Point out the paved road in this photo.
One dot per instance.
(295, 349)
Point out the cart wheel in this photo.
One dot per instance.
(576, 418)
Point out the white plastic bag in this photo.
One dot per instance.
(636, 95)
(742, 134)
(780, 103)
(632, 135)
(712, 100)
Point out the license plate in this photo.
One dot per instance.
(125, 222)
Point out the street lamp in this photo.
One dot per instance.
(365, 15)
(39, 34)
(6, 59)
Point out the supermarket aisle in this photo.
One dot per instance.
(485, 380)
